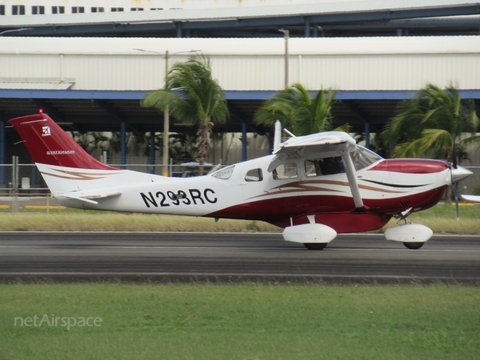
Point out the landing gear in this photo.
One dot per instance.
(315, 246)
(413, 245)
(413, 236)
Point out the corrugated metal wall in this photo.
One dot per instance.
(238, 67)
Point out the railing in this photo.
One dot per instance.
(23, 189)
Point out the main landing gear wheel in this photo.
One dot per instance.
(315, 246)
(413, 245)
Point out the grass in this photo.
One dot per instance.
(242, 322)
(441, 218)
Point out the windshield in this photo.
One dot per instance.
(363, 157)
(224, 173)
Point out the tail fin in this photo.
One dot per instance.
(48, 144)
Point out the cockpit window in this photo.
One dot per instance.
(363, 157)
(285, 171)
(224, 173)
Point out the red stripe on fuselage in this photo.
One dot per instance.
(412, 166)
(279, 210)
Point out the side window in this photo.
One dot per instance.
(285, 171)
(254, 175)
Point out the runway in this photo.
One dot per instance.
(232, 257)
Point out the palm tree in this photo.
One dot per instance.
(298, 112)
(193, 97)
(432, 124)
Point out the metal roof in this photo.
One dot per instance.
(271, 17)
(106, 77)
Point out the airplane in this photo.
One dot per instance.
(290, 188)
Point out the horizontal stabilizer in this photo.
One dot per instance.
(90, 198)
(473, 198)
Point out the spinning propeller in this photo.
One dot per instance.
(458, 174)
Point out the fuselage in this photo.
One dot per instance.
(284, 196)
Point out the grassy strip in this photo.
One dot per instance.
(441, 218)
(241, 322)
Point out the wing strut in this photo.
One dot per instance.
(352, 179)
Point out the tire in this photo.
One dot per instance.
(315, 246)
(413, 245)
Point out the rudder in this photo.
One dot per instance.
(48, 144)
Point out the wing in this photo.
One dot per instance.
(320, 145)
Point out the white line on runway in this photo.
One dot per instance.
(224, 247)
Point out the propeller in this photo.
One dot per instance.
(455, 187)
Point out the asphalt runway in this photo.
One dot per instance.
(232, 257)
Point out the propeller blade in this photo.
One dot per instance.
(456, 201)
(454, 156)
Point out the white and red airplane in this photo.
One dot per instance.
(292, 188)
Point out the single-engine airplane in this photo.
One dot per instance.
(313, 186)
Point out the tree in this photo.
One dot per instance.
(432, 124)
(298, 112)
(193, 97)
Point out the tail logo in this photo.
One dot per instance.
(46, 131)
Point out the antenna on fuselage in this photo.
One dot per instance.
(277, 138)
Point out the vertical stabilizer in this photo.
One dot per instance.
(48, 144)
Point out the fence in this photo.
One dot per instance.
(23, 188)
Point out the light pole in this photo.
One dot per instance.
(286, 35)
(166, 125)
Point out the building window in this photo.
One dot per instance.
(2, 9)
(78, 9)
(18, 9)
(156, 8)
(97, 9)
(58, 9)
(136, 9)
(38, 10)
(117, 9)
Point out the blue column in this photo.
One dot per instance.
(244, 141)
(123, 144)
(367, 135)
(307, 26)
(179, 30)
